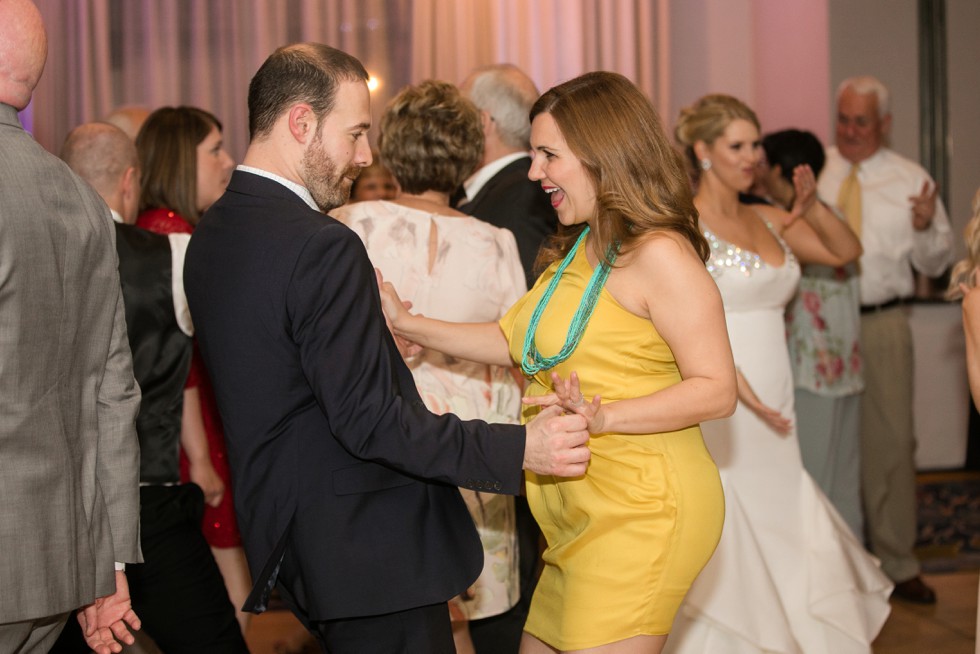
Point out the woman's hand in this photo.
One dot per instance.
(204, 475)
(395, 308)
(805, 185)
(779, 423)
(568, 395)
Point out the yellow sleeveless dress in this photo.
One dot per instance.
(624, 541)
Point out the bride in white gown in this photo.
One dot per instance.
(788, 575)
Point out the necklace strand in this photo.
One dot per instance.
(532, 361)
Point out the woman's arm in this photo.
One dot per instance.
(480, 342)
(777, 421)
(665, 278)
(194, 440)
(820, 237)
(971, 329)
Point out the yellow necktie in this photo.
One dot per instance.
(849, 200)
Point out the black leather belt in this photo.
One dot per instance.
(875, 308)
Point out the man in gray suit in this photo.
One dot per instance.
(69, 458)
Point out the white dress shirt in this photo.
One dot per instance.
(478, 179)
(892, 247)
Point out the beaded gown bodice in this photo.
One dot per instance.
(746, 282)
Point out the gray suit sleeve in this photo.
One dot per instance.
(118, 459)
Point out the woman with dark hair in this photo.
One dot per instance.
(184, 168)
(626, 303)
(788, 574)
(453, 267)
(822, 325)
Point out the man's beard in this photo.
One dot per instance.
(329, 190)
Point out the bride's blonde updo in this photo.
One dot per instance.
(706, 120)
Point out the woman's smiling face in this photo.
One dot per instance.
(735, 155)
(560, 172)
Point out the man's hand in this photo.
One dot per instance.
(924, 206)
(557, 444)
(104, 622)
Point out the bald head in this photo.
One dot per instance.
(507, 94)
(23, 51)
(129, 119)
(105, 157)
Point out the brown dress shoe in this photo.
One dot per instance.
(914, 590)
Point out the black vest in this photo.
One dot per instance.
(161, 352)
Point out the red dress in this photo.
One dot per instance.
(219, 525)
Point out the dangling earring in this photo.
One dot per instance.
(706, 164)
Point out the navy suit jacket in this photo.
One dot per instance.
(510, 200)
(345, 485)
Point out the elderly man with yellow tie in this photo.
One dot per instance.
(891, 203)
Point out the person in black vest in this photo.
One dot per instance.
(178, 591)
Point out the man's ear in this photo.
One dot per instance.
(487, 122)
(130, 183)
(302, 122)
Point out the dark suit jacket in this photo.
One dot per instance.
(510, 200)
(335, 460)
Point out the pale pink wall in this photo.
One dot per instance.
(773, 54)
(791, 64)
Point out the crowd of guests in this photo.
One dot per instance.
(708, 333)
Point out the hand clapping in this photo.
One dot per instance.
(805, 186)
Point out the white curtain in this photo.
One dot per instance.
(553, 40)
(107, 53)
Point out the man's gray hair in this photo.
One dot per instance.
(864, 84)
(506, 93)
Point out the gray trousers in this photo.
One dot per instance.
(829, 430)
(888, 442)
(31, 636)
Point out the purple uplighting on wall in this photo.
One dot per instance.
(27, 118)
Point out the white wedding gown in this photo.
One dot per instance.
(788, 575)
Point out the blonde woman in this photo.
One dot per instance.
(962, 284)
(788, 575)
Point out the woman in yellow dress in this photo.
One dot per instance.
(626, 305)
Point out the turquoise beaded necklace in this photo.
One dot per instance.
(531, 360)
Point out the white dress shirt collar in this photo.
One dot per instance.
(298, 189)
(478, 179)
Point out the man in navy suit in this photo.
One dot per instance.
(500, 192)
(345, 484)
